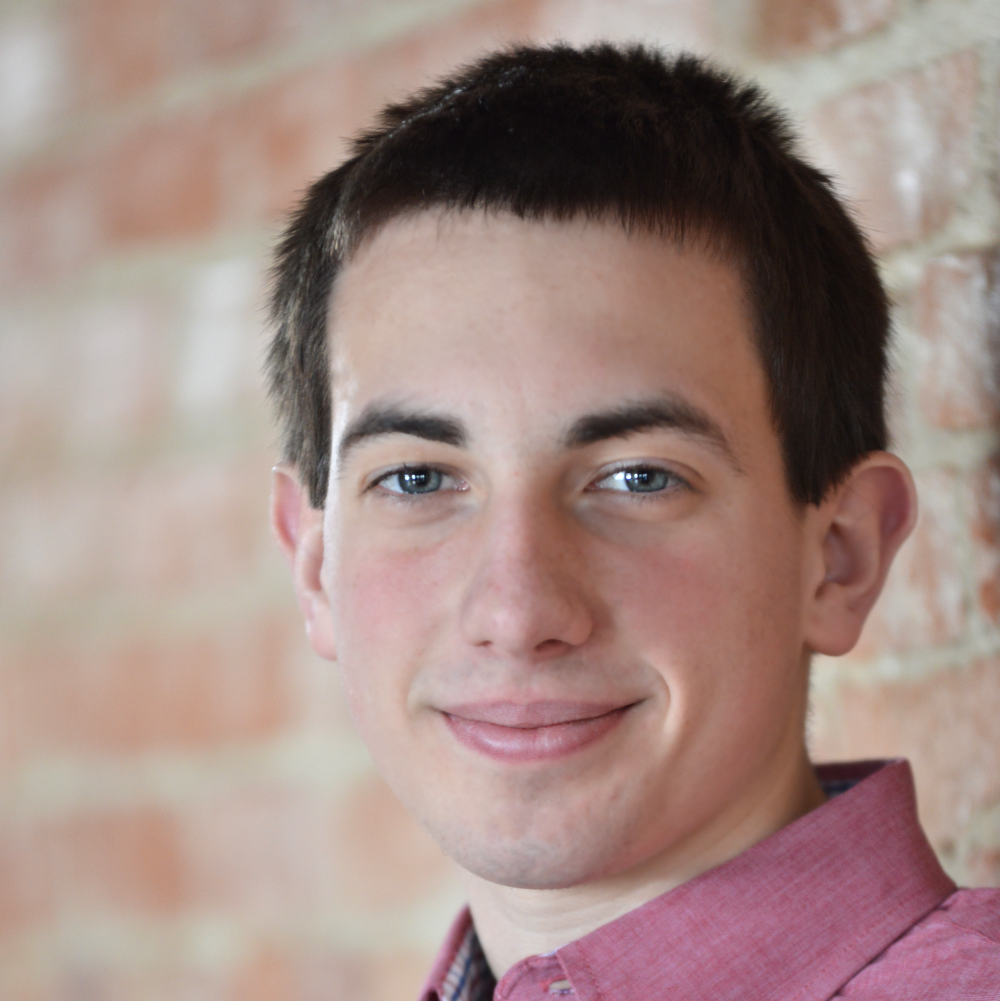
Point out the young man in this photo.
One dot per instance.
(580, 375)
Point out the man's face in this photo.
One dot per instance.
(564, 573)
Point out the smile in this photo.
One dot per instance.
(540, 731)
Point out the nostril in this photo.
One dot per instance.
(550, 646)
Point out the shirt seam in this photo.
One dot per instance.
(972, 931)
(590, 975)
(831, 964)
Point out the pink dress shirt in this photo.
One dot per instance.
(849, 901)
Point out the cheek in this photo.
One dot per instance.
(710, 599)
(390, 604)
(667, 604)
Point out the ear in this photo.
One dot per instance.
(298, 529)
(856, 533)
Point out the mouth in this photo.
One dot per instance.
(537, 731)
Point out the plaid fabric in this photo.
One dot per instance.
(469, 977)
(836, 787)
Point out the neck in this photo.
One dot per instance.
(514, 923)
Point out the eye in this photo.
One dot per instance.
(415, 480)
(640, 480)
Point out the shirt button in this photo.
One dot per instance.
(560, 987)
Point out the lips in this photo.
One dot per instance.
(537, 731)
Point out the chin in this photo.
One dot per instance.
(533, 862)
(527, 865)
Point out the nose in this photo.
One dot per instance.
(527, 597)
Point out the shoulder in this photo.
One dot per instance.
(976, 911)
(953, 953)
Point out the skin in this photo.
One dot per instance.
(532, 573)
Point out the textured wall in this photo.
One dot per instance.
(185, 812)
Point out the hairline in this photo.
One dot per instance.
(688, 235)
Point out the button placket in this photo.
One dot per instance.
(533, 978)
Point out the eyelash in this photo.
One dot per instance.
(675, 483)
(404, 496)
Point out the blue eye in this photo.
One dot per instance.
(417, 480)
(414, 481)
(640, 480)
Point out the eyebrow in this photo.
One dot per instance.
(667, 412)
(378, 420)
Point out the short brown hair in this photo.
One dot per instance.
(623, 135)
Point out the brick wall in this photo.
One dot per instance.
(185, 811)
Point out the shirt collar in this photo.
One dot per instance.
(460, 972)
(795, 916)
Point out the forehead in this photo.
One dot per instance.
(539, 320)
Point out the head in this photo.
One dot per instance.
(580, 371)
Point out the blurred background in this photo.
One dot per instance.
(185, 811)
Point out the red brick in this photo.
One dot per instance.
(797, 26)
(392, 71)
(16, 988)
(176, 176)
(120, 47)
(946, 725)
(32, 388)
(982, 866)
(958, 317)
(270, 973)
(114, 353)
(923, 602)
(188, 173)
(681, 23)
(280, 975)
(164, 530)
(276, 140)
(263, 852)
(160, 180)
(190, 525)
(898, 411)
(48, 223)
(28, 894)
(902, 149)
(268, 976)
(54, 542)
(983, 500)
(202, 691)
(227, 28)
(218, 367)
(124, 861)
(319, 699)
(399, 976)
(87, 979)
(386, 858)
(246, 160)
(310, 974)
(979, 849)
(154, 179)
(32, 75)
(10, 726)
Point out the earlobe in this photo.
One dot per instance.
(298, 530)
(858, 531)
